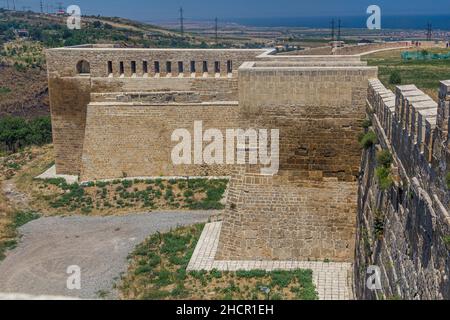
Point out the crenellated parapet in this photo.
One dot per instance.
(404, 228)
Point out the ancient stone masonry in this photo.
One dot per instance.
(114, 111)
(111, 134)
(405, 230)
(307, 210)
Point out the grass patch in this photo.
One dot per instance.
(4, 90)
(158, 271)
(424, 74)
(21, 218)
(118, 196)
(9, 234)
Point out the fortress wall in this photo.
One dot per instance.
(308, 210)
(70, 91)
(68, 100)
(311, 107)
(63, 61)
(410, 247)
(134, 140)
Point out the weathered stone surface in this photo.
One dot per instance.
(411, 248)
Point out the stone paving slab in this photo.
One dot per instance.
(332, 280)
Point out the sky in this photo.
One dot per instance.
(157, 10)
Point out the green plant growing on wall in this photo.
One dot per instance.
(384, 158)
(368, 140)
(383, 171)
(447, 180)
(447, 241)
(384, 178)
(367, 124)
(378, 224)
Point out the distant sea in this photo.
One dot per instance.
(419, 22)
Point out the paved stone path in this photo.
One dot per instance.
(332, 279)
(98, 245)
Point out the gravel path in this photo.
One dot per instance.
(98, 245)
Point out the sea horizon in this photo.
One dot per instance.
(409, 22)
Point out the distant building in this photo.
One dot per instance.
(22, 33)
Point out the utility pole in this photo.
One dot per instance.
(216, 28)
(42, 6)
(332, 29)
(181, 21)
(14, 5)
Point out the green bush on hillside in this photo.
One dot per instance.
(16, 132)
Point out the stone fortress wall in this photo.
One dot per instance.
(209, 75)
(306, 211)
(116, 121)
(405, 230)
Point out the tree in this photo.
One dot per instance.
(13, 132)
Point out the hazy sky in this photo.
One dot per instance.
(153, 10)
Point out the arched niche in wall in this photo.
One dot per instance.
(83, 67)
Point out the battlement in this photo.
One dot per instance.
(417, 130)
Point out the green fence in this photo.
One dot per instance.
(424, 55)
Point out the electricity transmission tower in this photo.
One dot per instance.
(181, 22)
(332, 29)
(339, 30)
(216, 29)
(429, 31)
(42, 6)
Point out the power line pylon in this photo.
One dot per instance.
(339, 31)
(181, 22)
(332, 29)
(216, 29)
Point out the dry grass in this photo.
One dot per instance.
(12, 167)
(55, 197)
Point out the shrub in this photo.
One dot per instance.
(16, 132)
(5, 90)
(447, 240)
(384, 158)
(366, 124)
(21, 218)
(368, 140)
(384, 177)
(447, 180)
(395, 77)
(378, 224)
